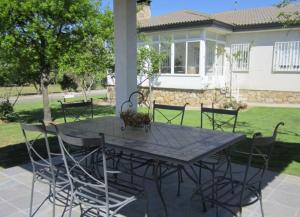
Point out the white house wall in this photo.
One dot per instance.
(177, 82)
(261, 75)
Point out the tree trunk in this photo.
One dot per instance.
(45, 80)
(150, 92)
(46, 106)
(83, 87)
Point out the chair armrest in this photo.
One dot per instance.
(253, 154)
(113, 172)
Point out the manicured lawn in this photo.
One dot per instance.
(29, 90)
(286, 155)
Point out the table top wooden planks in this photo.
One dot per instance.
(180, 144)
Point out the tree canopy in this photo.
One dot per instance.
(289, 18)
(89, 60)
(35, 35)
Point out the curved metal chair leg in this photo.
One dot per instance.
(147, 204)
(261, 206)
(240, 213)
(204, 208)
(71, 205)
(54, 197)
(213, 190)
(31, 197)
(217, 210)
(179, 179)
(190, 205)
(230, 174)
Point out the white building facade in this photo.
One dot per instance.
(210, 58)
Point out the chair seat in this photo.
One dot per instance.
(94, 195)
(218, 158)
(44, 175)
(228, 195)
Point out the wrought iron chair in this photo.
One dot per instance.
(247, 188)
(43, 169)
(77, 110)
(223, 120)
(131, 162)
(137, 161)
(178, 115)
(94, 195)
(159, 108)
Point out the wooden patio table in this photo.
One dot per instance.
(180, 145)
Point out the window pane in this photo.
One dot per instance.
(211, 35)
(286, 56)
(165, 49)
(155, 46)
(194, 35)
(193, 57)
(179, 36)
(210, 56)
(155, 38)
(240, 57)
(179, 63)
(220, 59)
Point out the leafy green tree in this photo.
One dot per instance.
(89, 60)
(12, 78)
(35, 34)
(149, 61)
(289, 18)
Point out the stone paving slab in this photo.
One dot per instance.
(281, 198)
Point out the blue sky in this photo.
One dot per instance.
(209, 6)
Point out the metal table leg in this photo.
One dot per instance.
(158, 187)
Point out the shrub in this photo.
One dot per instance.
(234, 105)
(68, 83)
(7, 111)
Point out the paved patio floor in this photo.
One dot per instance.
(281, 198)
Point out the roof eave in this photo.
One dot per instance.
(218, 24)
(203, 23)
(262, 26)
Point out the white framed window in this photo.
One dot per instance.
(210, 56)
(214, 63)
(180, 57)
(185, 53)
(286, 56)
(166, 66)
(193, 57)
(186, 57)
(240, 56)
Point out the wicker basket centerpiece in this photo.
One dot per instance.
(135, 119)
(131, 118)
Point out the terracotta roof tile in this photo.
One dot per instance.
(255, 15)
(178, 17)
(245, 17)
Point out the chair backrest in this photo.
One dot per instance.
(219, 118)
(261, 151)
(77, 110)
(160, 108)
(77, 173)
(37, 146)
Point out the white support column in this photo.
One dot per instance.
(125, 51)
(202, 53)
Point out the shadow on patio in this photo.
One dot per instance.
(281, 192)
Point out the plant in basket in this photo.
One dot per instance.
(135, 119)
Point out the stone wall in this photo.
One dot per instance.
(270, 97)
(196, 97)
